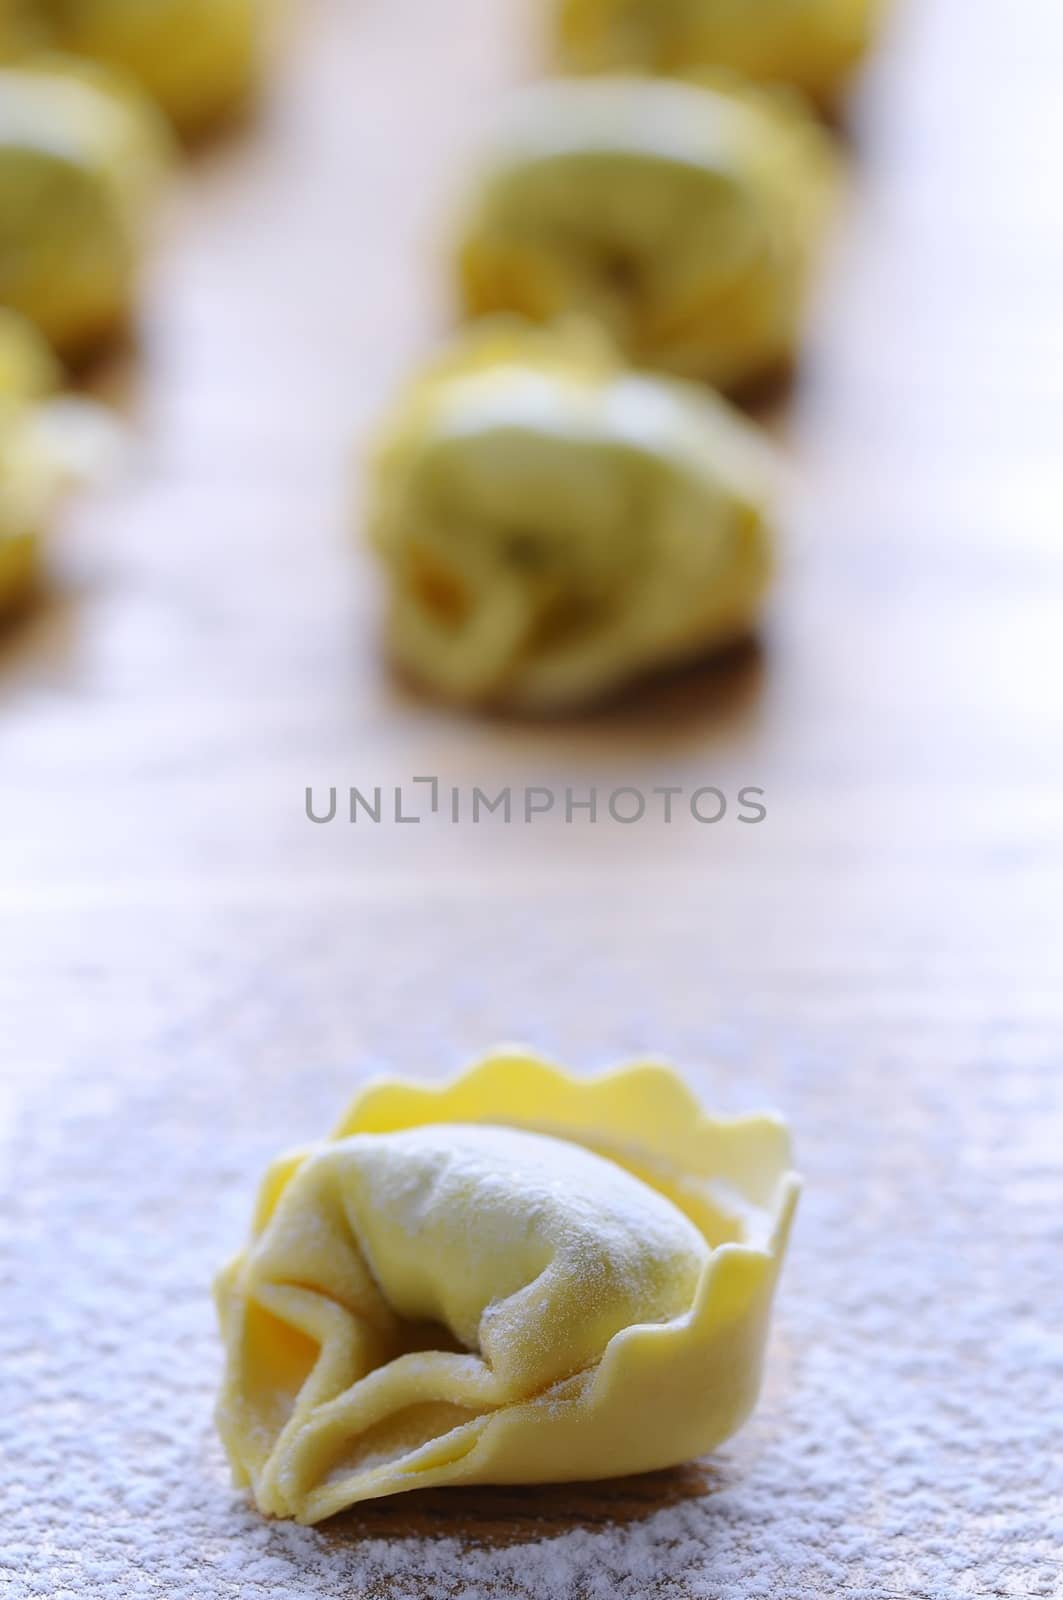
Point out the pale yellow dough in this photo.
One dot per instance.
(199, 59)
(28, 368)
(81, 159)
(813, 44)
(554, 525)
(47, 443)
(17, 30)
(685, 218)
(29, 478)
(516, 1277)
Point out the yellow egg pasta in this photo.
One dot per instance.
(515, 1277)
(812, 44)
(28, 474)
(80, 160)
(553, 526)
(48, 442)
(17, 32)
(685, 218)
(199, 59)
(28, 368)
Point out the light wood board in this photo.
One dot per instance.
(192, 974)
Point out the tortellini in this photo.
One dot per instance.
(26, 372)
(48, 443)
(198, 58)
(683, 217)
(30, 473)
(79, 163)
(28, 368)
(17, 32)
(554, 525)
(813, 44)
(516, 1277)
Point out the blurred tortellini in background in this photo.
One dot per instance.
(812, 44)
(16, 30)
(47, 443)
(90, 91)
(199, 59)
(80, 161)
(683, 217)
(28, 481)
(28, 369)
(554, 525)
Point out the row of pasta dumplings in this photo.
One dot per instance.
(560, 501)
(94, 97)
(565, 501)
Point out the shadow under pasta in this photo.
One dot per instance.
(498, 1518)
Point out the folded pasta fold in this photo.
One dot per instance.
(513, 1278)
(553, 525)
(80, 160)
(813, 44)
(683, 217)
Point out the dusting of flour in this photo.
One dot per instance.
(907, 1444)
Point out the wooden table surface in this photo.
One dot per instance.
(193, 975)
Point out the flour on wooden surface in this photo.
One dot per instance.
(908, 1440)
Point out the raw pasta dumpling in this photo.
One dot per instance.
(554, 525)
(813, 44)
(516, 1277)
(27, 480)
(198, 59)
(80, 159)
(684, 217)
(28, 368)
(47, 443)
(17, 32)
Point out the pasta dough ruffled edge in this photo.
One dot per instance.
(645, 1117)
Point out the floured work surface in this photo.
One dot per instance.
(194, 975)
